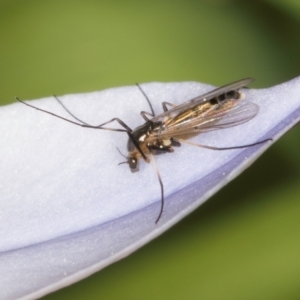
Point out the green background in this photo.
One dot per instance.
(244, 243)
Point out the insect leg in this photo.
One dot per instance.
(164, 105)
(223, 148)
(48, 112)
(144, 113)
(127, 128)
(161, 188)
(136, 144)
(98, 126)
(151, 108)
(67, 110)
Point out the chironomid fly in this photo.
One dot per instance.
(218, 109)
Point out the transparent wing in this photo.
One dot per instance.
(202, 99)
(231, 114)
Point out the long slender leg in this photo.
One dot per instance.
(144, 113)
(48, 112)
(161, 189)
(136, 144)
(71, 114)
(127, 128)
(222, 148)
(164, 105)
(151, 108)
(97, 126)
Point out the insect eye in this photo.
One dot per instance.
(133, 164)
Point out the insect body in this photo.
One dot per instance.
(220, 108)
(217, 109)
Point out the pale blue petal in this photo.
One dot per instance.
(67, 209)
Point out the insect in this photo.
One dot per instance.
(220, 108)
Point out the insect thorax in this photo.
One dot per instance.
(144, 137)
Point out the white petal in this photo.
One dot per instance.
(67, 209)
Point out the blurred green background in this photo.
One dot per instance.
(244, 243)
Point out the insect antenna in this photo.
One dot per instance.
(161, 188)
(121, 152)
(223, 148)
(123, 162)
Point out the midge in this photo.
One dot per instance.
(220, 108)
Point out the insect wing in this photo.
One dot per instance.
(238, 114)
(202, 98)
(233, 113)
